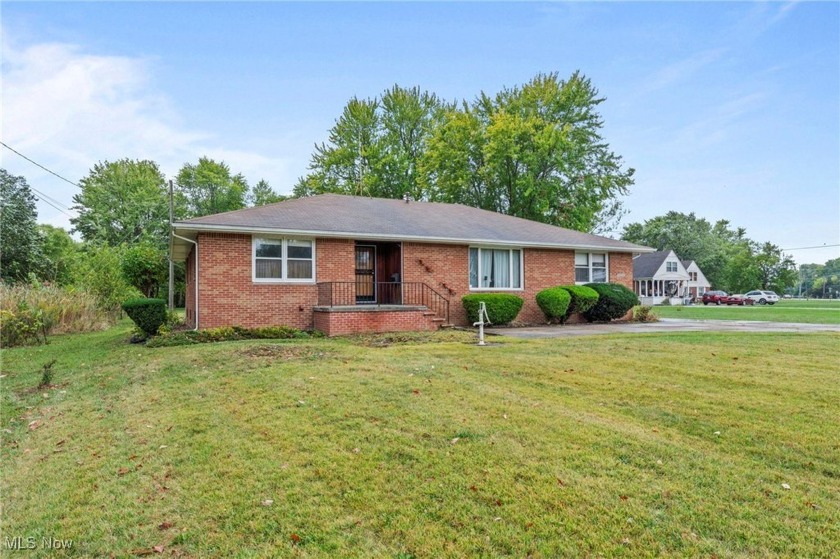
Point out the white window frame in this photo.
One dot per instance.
(669, 264)
(590, 267)
(478, 263)
(284, 271)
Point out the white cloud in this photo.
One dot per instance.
(69, 109)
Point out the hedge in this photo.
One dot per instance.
(148, 314)
(554, 303)
(582, 299)
(502, 308)
(614, 301)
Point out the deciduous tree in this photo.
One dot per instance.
(20, 241)
(209, 187)
(122, 202)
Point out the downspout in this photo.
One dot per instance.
(196, 274)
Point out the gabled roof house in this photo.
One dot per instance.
(661, 275)
(345, 264)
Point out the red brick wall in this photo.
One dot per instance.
(228, 296)
(340, 323)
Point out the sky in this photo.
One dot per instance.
(728, 110)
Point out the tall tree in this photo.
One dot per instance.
(122, 202)
(20, 241)
(209, 187)
(375, 146)
(534, 151)
(345, 165)
(262, 194)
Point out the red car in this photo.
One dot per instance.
(737, 300)
(714, 297)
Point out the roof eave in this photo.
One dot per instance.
(205, 227)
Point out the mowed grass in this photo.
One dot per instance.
(614, 446)
(814, 311)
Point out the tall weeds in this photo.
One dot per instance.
(50, 309)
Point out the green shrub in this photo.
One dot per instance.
(21, 327)
(501, 307)
(47, 374)
(554, 303)
(583, 298)
(614, 300)
(148, 314)
(230, 333)
(644, 313)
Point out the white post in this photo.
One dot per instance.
(482, 315)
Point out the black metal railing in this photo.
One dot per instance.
(346, 293)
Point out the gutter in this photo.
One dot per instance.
(195, 243)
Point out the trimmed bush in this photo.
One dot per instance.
(614, 300)
(148, 314)
(554, 303)
(502, 308)
(583, 298)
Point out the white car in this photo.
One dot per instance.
(763, 297)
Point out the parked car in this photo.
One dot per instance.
(714, 297)
(763, 297)
(739, 299)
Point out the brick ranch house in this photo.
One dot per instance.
(348, 264)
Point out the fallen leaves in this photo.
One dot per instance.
(295, 538)
(35, 424)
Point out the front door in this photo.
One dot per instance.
(365, 274)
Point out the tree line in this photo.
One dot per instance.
(123, 221)
(729, 259)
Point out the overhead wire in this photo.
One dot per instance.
(49, 200)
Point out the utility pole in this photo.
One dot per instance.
(171, 264)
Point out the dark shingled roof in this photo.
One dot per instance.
(646, 265)
(332, 215)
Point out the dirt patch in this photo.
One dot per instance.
(283, 352)
(403, 338)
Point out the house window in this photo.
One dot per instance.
(670, 266)
(283, 260)
(692, 276)
(493, 268)
(590, 267)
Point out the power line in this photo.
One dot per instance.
(806, 248)
(49, 200)
(39, 165)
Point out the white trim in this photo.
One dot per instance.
(590, 267)
(510, 271)
(284, 272)
(185, 227)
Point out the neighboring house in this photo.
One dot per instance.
(344, 264)
(697, 283)
(658, 276)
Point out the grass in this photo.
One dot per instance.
(426, 446)
(810, 311)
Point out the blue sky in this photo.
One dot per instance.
(728, 110)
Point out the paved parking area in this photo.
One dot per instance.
(664, 325)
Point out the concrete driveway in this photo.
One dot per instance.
(664, 325)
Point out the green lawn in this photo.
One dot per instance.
(791, 310)
(611, 446)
